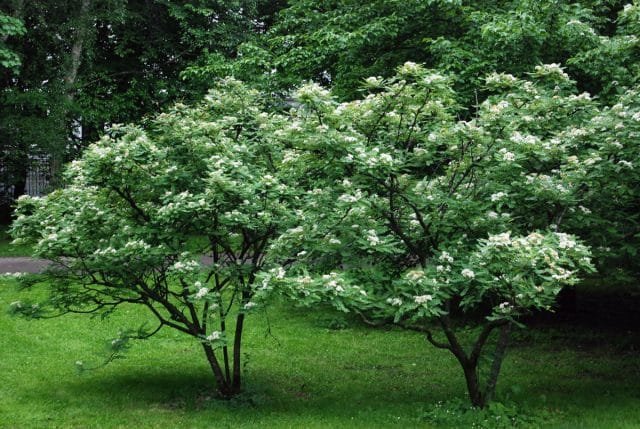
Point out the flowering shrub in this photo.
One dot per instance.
(425, 220)
(390, 206)
(120, 230)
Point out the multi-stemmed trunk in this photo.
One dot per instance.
(228, 375)
(479, 395)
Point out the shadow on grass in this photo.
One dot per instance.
(195, 391)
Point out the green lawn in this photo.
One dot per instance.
(302, 374)
(8, 249)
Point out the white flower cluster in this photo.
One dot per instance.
(422, 299)
(409, 68)
(529, 139)
(498, 196)
(445, 257)
(332, 282)
(468, 273)
(503, 239)
(415, 275)
(311, 90)
(349, 198)
(183, 267)
(561, 273)
(396, 302)
(214, 336)
(552, 69)
(501, 79)
(202, 291)
(372, 237)
(505, 307)
(498, 107)
(566, 241)
(506, 155)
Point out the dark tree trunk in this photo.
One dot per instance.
(496, 365)
(473, 384)
(478, 395)
(20, 184)
(237, 345)
(224, 388)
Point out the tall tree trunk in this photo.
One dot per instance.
(80, 39)
(83, 26)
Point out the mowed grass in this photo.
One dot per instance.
(300, 372)
(8, 249)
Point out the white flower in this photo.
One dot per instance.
(492, 215)
(373, 81)
(372, 237)
(346, 198)
(503, 239)
(508, 156)
(505, 307)
(415, 275)
(445, 256)
(280, 273)
(468, 273)
(335, 241)
(249, 305)
(409, 68)
(215, 335)
(535, 238)
(626, 164)
(498, 196)
(573, 159)
(386, 158)
(396, 302)
(550, 69)
(565, 241)
(421, 299)
(201, 292)
(561, 274)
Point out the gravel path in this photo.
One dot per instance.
(22, 265)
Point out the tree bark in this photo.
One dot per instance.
(473, 384)
(496, 365)
(83, 27)
(237, 345)
(77, 48)
(224, 389)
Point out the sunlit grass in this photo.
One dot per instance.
(299, 373)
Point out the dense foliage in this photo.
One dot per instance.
(341, 43)
(87, 64)
(414, 216)
(458, 195)
(122, 229)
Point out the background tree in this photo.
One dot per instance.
(10, 26)
(91, 64)
(341, 43)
